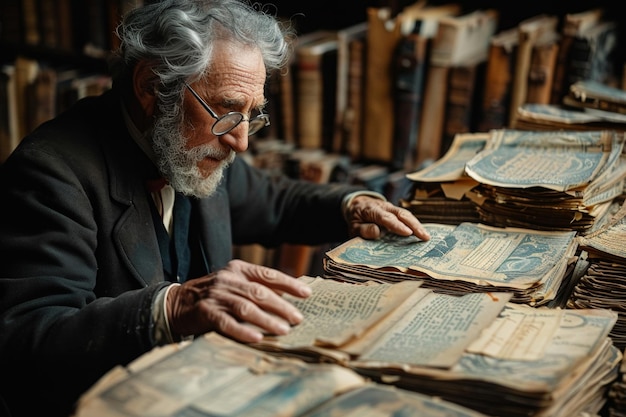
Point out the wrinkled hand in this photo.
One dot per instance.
(224, 300)
(369, 217)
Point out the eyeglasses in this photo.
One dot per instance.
(227, 122)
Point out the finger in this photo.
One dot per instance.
(228, 311)
(233, 294)
(411, 224)
(272, 278)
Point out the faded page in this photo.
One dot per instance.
(609, 239)
(580, 334)
(216, 376)
(437, 329)
(375, 400)
(520, 333)
(338, 312)
(451, 167)
(557, 160)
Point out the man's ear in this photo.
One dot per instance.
(144, 87)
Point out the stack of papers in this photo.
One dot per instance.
(548, 180)
(604, 283)
(470, 257)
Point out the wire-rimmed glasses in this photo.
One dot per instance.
(227, 122)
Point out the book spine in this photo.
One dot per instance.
(352, 123)
(461, 103)
(409, 67)
(541, 73)
(433, 114)
(379, 119)
(497, 88)
(309, 101)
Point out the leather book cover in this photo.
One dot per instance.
(462, 101)
(463, 37)
(316, 92)
(433, 115)
(531, 31)
(350, 70)
(409, 67)
(499, 73)
(574, 25)
(383, 35)
(541, 69)
(353, 116)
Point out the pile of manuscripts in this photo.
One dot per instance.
(547, 180)
(215, 376)
(604, 283)
(470, 257)
(438, 192)
(538, 116)
(478, 350)
(597, 98)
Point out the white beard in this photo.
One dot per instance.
(180, 165)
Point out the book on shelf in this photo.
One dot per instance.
(463, 37)
(574, 25)
(26, 70)
(541, 68)
(592, 55)
(460, 39)
(353, 116)
(532, 32)
(385, 31)
(383, 34)
(498, 81)
(41, 98)
(213, 375)
(465, 83)
(9, 123)
(30, 22)
(410, 62)
(316, 92)
(349, 88)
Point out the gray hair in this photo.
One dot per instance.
(177, 37)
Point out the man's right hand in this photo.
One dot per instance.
(226, 300)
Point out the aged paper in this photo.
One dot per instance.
(470, 252)
(520, 333)
(437, 329)
(216, 376)
(337, 313)
(556, 160)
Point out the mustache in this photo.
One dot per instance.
(201, 152)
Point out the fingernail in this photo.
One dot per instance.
(284, 328)
(298, 317)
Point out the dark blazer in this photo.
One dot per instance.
(80, 262)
